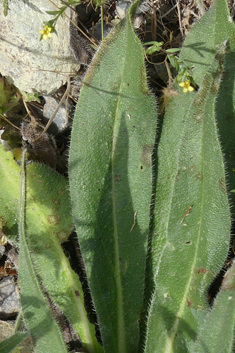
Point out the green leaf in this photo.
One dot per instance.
(49, 223)
(37, 315)
(152, 49)
(12, 342)
(154, 43)
(110, 182)
(9, 195)
(174, 60)
(192, 217)
(205, 36)
(52, 202)
(54, 13)
(156, 46)
(216, 334)
(30, 97)
(173, 50)
(49, 209)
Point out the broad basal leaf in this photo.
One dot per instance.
(110, 183)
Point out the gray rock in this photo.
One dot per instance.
(2, 250)
(97, 30)
(9, 299)
(122, 8)
(6, 329)
(33, 65)
(60, 121)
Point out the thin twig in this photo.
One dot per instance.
(200, 7)
(80, 30)
(58, 107)
(179, 16)
(135, 215)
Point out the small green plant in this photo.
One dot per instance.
(184, 77)
(49, 26)
(30, 97)
(5, 7)
(155, 47)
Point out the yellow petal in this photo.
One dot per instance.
(181, 84)
(191, 88)
(185, 90)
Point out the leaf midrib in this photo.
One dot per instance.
(121, 339)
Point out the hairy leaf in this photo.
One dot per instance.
(192, 222)
(110, 183)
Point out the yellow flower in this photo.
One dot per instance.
(186, 86)
(46, 32)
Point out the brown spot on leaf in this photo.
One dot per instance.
(56, 202)
(54, 219)
(189, 303)
(199, 117)
(202, 270)
(62, 235)
(229, 118)
(199, 176)
(178, 175)
(192, 168)
(117, 178)
(146, 155)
